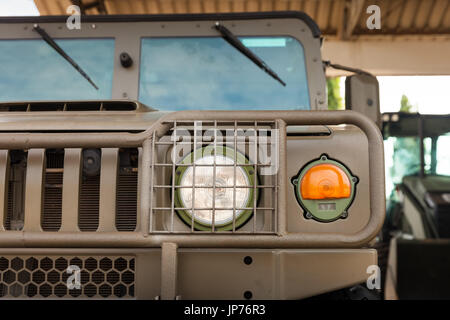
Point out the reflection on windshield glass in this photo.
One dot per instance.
(208, 73)
(31, 70)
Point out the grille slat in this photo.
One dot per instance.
(53, 180)
(88, 218)
(126, 201)
(47, 277)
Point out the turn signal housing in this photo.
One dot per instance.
(325, 189)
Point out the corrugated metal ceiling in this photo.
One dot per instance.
(342, 18)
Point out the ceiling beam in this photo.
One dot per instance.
(351, 11)
(85, 5)
(386, 56)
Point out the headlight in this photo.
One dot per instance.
(203, 197)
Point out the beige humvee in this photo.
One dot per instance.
(220, 183)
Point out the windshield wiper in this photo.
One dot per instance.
(229, 37)
(45, 36)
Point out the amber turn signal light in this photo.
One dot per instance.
(325, 189)
(325, 181)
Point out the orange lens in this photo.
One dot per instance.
(325, 181)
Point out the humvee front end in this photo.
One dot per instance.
(220, 183)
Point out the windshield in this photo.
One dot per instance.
(208, 73)
(402, 156)
(32, 70)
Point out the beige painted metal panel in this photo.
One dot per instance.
(276, 274)
(108, 188)
(169, 271)
(406, 56)
(4, 170)
(71, 189)
(223, 274)
(34, 189)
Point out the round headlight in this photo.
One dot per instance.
(204, 197)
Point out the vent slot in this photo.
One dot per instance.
(22, 107)
(83, 106)
(88, 218)
(127, 183)
(53, 186)
(16, 190)
(38, 107)
(119, 106)
(69, 106)
(46, 277)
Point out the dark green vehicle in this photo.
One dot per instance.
(418, 209)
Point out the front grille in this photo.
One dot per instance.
(47, 277)
(255, 140)
(87, 199)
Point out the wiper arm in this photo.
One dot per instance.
(45, 36)
(229, 37)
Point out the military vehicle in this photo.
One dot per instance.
(417, 224)
(181, 157)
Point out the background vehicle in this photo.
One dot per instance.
(418, 208)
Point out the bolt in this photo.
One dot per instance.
(248, 295)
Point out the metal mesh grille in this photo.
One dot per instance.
(89, 201)
(16, 190)
(53, 184)
(126, 200)
(127, 190)
(254, 141)
(47, 277)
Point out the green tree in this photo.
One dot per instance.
(406, 158)
(334, 95)
(406, 106)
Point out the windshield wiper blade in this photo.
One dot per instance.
(229, 37)
(45, 36)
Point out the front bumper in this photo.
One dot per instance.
(178, 273)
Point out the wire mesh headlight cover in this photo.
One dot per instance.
(220, 189)
(235, 172)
